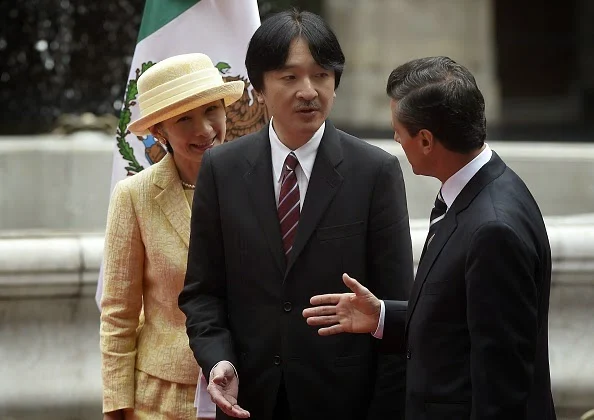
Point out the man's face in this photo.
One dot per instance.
(412, 145)
(299, 95)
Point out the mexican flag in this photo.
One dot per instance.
(220, 29)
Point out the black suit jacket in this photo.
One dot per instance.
(243, 301)
(477, 321)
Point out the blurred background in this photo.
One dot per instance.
(63, 69)
(534, 60)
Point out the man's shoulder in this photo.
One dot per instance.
(236, 148)
(505, 202)
(362, 149)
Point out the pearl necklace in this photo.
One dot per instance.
(190, 186)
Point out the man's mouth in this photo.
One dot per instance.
(310, 110)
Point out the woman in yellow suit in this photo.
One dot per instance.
(148, 369)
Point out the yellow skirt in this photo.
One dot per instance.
(157, 399)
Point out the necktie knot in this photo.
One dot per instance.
(437, 214)
(290, 162)
(439, 209)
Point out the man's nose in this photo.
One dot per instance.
(307, 91)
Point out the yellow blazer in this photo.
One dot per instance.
(145, 256)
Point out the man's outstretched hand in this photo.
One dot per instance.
(356, 312)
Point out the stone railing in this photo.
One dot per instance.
(49, 341)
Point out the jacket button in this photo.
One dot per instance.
(277, 360)
(408, 354)
(287, 306)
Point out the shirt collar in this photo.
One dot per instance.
(306, 154)
(456, 183)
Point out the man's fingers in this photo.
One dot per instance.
(356, 287)
(219, 399)
(322, 320)
(239, 412)
(319, 311)
(335, 329)
(219, 380)
(226, 403)
(330, 299)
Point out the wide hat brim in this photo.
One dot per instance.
(230, 92)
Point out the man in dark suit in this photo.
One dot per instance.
(476, 324)
(278, 216)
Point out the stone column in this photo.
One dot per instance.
(378, 35)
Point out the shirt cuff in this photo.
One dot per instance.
(379, 331)
(235, 370)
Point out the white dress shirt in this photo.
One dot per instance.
(456, 183)
(449, 191)
(306, 155)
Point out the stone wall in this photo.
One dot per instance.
(378, 35)
(62, 182)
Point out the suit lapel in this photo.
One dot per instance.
(171, 198)
(321, 189)
(492, 170)
(447, 227)
(261, 191)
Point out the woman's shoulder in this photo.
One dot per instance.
(143, 178)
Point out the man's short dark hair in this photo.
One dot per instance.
(269, 47)
(440, 95)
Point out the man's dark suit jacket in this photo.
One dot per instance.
(477, 321)
(244, 302)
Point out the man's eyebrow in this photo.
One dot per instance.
(287, 67)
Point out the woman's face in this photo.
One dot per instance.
(192, 133)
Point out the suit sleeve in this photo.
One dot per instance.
(203, 298)
(390, 267)
(121, 301)
(502, 320)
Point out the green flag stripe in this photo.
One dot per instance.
(158, 13)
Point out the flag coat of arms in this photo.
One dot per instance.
(220, 29)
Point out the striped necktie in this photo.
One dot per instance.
(437, 214)
(288, 202)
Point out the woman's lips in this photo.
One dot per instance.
(204, 146)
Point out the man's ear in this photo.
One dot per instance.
(427, 141)
(259, 97)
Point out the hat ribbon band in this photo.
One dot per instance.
(194, 82)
